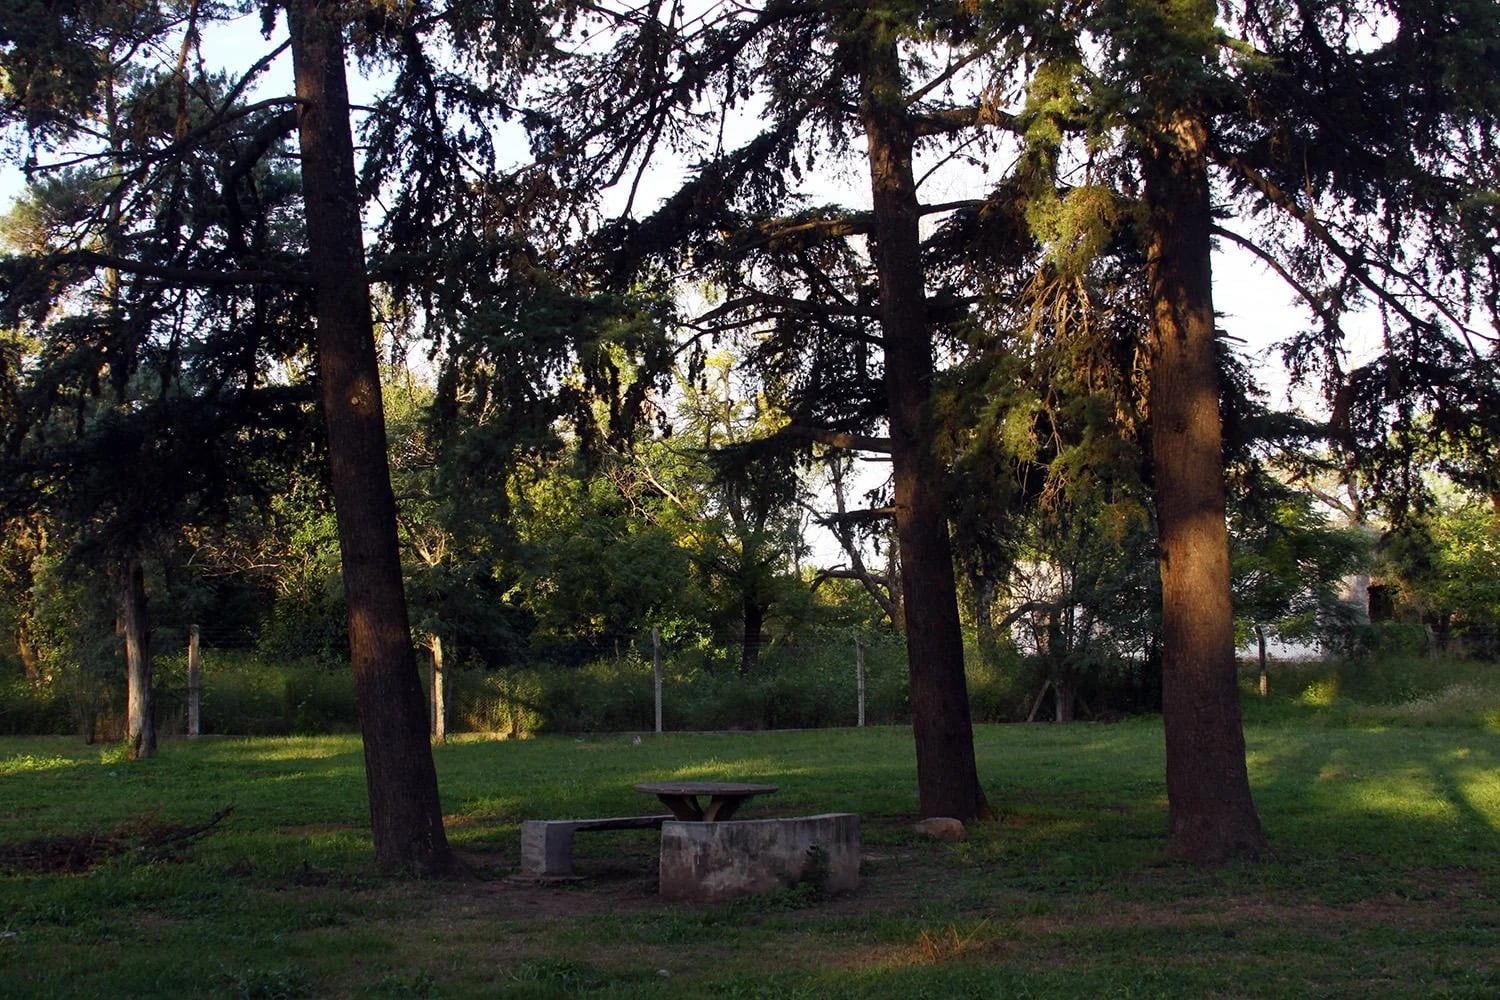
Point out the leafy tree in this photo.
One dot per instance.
(1349, 141)
(72, 629)
(1290, 568)
(741, 518)
(1445, 564)
(405, 815)
(130, 375)
(601, 561)
(854, 329)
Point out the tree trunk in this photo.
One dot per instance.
(947, 776)
(751, 634)
(405, 816)
(1265, 677)
(31, 664)
(1211, 814)
(893, 576)
(986, 637)
(140, 711)
(1064, 694)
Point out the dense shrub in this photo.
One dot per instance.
(1385, 639)
(28, 709)
(999, 690)
(504, 702)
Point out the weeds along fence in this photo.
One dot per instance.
(802, 685)
(794, 686)
(807, 686)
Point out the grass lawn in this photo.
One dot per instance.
(1384, 877)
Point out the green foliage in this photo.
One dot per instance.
(245, 694)
(505, 703)
(999, 691)
(72, 625)
(30, 709)
(1289, 564)
(598, 563)
(1445, 564)
(801, 686)
(1388, 688)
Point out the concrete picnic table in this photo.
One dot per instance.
(724, 797)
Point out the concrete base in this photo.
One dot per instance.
(707, 861)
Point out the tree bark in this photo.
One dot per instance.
(1265, 677)
(1064, 694)
(947, 776)
(1211, 815)
(754, 621)
(986, 636)
(140, 709)
(31, 664)
(405, 816)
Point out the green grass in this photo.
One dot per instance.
(1384, 876)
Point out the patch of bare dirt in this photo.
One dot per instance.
(146, 838)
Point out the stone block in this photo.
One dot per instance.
(942, 828)
(547, 844)
(707, 861)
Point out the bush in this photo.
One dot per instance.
(502, 702)
(1382, 639)
(1466, 703)
(28, 709)
(998, 692)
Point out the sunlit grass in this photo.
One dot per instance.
(23, 763)
(1320, 694)
(1464, 703)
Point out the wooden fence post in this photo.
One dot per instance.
(439, 708)
(195, 684)
(656, 672)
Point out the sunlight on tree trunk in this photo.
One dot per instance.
(140, 711)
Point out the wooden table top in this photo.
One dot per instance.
(703, 788)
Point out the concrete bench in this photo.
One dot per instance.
(547, 844)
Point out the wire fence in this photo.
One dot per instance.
(845, 679)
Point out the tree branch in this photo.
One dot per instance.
(957, 119)
(1307, 294)
(186, 275)
(844, 440)
(1356, 266)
